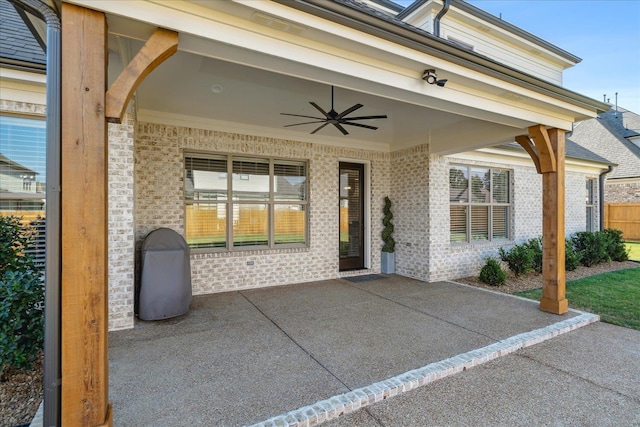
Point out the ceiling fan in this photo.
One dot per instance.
(332, 117)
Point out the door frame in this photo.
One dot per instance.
(367, 207)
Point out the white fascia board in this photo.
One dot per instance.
(614, 181)
(515, 158)
(181, 120)
(22, 86)
(192, 19)
(23, 76)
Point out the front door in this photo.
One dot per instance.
(351, 216)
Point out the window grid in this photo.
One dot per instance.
(480, 204)
(267, 207)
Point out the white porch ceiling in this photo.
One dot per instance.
(186, 89)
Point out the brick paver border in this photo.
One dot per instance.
(341, 404)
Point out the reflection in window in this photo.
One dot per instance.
(268, 207)
(23, 175)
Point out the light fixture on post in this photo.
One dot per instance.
(431, 77)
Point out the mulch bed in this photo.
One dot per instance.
(529, 281)
(20, 394)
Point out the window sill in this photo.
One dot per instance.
(223, 253)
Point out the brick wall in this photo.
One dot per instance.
(159, 172)
(409, 194)
(628, 192)
(121, 223)
(415, 180)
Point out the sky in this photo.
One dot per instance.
(604, 33)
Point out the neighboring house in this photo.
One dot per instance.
(205, 150)
(615, 134)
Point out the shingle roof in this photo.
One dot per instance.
(606, 135)
(17, 44)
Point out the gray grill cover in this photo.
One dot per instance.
(165, 285)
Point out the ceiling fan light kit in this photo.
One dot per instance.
(334, 118)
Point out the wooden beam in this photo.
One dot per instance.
(84, 219)
(553, 237)
(162, 45)
(546, 156)
(527, 144)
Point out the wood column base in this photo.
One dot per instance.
(553, 306)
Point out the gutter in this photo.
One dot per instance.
(601, 179)
(436, 21)
(399, 32)
(52, 367)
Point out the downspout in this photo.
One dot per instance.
(601, 179)
(52, 369)
(436, 22)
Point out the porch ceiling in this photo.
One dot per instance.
(265, 70)
(185, 90)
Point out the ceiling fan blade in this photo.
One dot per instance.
(321, 126)
(320, 109)
(359, 125)
(341, 129)
(300, 115)
(384, 116)
(349, 110)
(305, 123)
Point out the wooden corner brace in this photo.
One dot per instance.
(161, 45)
(542, 155)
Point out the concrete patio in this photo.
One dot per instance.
(307, 353)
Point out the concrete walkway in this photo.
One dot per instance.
(307, 353)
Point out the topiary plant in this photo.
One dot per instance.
(389, 243)
(492, 274)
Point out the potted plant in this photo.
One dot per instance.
(388, 259)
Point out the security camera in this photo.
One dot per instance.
(430, 76)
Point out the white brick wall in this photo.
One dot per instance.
(121, 224)
(415, 180)
(159, 203)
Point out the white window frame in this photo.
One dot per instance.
(590, 204)
(490, 205)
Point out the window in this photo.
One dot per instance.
(23, 174)
(591, 185)
(479, 200)
(234, 202)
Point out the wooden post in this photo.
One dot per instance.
(553, 238)
(84, 219)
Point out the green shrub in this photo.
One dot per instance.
(15, 239)
(21, 297)
(492, 274)
(592, 247)
(572, 257)
(535, 247)
(21, 318)
(519, 258)
(616, 248)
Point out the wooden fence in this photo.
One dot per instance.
(624, 217)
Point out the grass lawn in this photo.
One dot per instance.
(634, 248)
(614, 296)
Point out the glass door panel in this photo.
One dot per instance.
(351, 216)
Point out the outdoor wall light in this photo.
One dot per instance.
(431, 77)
